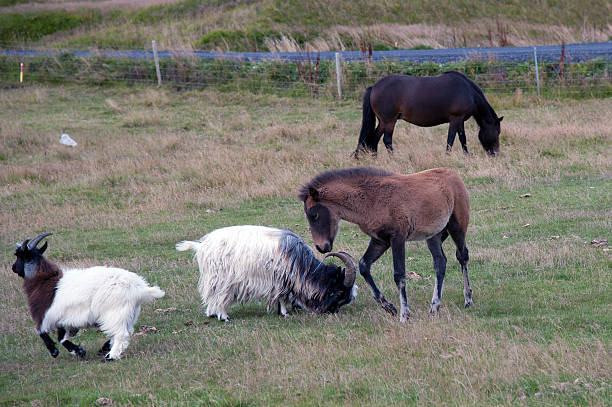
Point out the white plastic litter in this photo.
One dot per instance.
(67, 141)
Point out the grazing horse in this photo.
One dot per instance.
(427, 101)
(392, 209)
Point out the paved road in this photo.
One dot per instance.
(574, 53)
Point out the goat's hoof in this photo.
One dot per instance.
(108, 358)
(404, 317)
(54, 353)
(469, 303)
(80, 352)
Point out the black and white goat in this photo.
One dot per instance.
(66, 300)
(257, 263)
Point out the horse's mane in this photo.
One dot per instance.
(340, 174)
(483, 104)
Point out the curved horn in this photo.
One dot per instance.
(37, 240)
(350, 274)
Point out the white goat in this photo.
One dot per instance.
(256, 263)
(66, 300)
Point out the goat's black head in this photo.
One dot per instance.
(340, 283)
(28, 256)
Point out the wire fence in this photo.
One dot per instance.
(344, 75)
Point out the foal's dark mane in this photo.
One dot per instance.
(484, 108)
(340, 174)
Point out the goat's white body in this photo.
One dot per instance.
(107, 297)
(239, 264)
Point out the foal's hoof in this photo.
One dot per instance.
(434, 308)
(390, 308)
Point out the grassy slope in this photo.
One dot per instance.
(238, 25)
(154, 167)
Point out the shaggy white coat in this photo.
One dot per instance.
(107, 297)
(242, 264)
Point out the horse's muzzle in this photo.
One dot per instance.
(326, 248)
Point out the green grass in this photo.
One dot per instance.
(34, 26)
(211, 24)
(540, 329)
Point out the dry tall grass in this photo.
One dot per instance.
(155, 146)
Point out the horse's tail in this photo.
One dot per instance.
(368, 122)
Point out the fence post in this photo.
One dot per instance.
(156, 58)
(535, 58)
(338, 79)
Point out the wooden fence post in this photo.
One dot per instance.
(338, 77)
(156, 58)
(535, 58)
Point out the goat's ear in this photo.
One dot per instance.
(500, 119)
(43, 248)
(314, 194)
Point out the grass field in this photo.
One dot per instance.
(153, 167)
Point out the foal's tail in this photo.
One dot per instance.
(368, 123)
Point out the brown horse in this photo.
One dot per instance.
(427, 101)
(392, 209)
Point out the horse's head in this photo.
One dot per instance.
(324, 222)
(489, 136)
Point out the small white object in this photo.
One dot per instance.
(67, 141)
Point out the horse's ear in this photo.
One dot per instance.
(314, 194)
(499, 119)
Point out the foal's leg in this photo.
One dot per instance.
(63, 336)
(375, 249)
(439, 259)
(388, 139)
(398, 247)
(462, 256)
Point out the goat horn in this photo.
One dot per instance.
(350, 274)
(37, 240)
